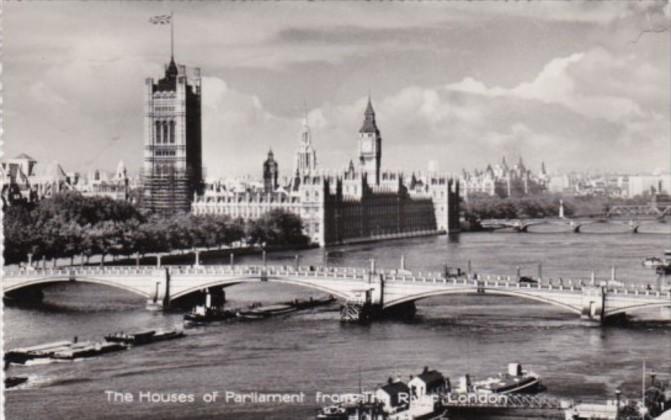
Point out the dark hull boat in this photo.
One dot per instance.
(258, 311)
(86, 349)
(12, 381)
(263, 312)
(41, 351)
(143, 337)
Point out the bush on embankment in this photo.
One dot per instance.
(68, 224)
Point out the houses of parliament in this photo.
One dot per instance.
(361, 203)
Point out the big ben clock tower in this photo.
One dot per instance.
(370, 146)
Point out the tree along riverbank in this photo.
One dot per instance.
(69, 225)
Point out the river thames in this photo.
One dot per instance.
(313, 352)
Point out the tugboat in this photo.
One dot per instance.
(202, 315)
(652, 262)
(515, 381)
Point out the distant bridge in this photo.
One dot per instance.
(383, 288)
(572, 225)
(652, 210)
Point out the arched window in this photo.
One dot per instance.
(165, 132)
(157, 132)
(172, 132)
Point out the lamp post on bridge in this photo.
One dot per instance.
(263, 254)
(618, 393)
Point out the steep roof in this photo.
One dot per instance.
(369, 125)
(25, 156)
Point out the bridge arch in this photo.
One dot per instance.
(80, 279)
(473, 291)
(257, 279)
(636, 308)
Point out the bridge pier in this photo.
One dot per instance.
(593, 303)
(161, 298)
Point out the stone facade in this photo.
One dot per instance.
(172, 170)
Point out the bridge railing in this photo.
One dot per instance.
(79, 271)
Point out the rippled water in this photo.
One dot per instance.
(312, 351)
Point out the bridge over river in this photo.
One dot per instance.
(630, 217)
(357, 287)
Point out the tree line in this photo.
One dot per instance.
(540, 206)
(68, 225)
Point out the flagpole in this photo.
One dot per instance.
(172, 37)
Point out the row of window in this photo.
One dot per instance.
(164, 152)
(164, 109)
(164, 132)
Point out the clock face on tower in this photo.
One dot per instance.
(367, 145)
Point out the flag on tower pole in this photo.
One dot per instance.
(164, 20)
(161, 19)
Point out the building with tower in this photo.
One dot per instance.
(370, 146)
(306, 155)
(270, 173)
(173, 170)
(362, 203)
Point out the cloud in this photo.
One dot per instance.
(596, 84)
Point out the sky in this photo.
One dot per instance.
(579, 85)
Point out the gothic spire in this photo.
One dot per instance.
(369, 124)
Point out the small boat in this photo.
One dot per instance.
(88, 349)
(515, 381)
(652, 262)
(40, 351)
(143, 337)
(12, 381)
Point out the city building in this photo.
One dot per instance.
(359, 204)
(173, 169)
(649, 184)
(99, 184)
(23, 179)
(504, 181)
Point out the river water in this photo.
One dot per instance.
(313, 352)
